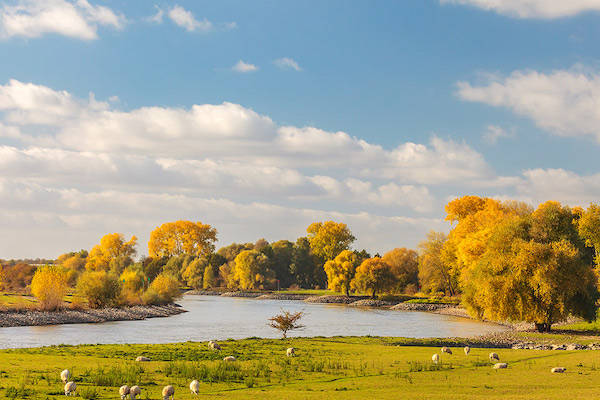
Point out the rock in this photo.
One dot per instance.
(371, 303)
(334, 299)
(242, 294)
(559, 347)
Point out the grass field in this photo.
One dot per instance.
(325, 368)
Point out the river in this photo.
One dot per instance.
(214, 317)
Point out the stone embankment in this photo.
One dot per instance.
(329, 299)
(371, 303)
(281, 296)
(250, 295)
(134, 313)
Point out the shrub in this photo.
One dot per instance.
(286, 321)
(166, 288)
(49, 285)
(100, 288)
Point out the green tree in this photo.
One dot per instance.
(281, 261)
(251, 270)
(210, 277)
(194, 272)
(303, 264)
(100, 288)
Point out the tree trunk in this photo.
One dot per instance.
(543, 326)
(373, 294)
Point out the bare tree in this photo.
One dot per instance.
(286, 321)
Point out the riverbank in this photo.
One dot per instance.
(336, 368)
(39, 318)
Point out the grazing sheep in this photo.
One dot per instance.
(134, 392)
(446, 350)
(213, 345)
(291, 352)
(467, 350)
(435, 358)
(195, 387)
(558, 370)
(500, 365)
(494, 357)
(229, 358)
(124, 391)
(65, 375)
(142, 358)
(168, 391)
(70, 389)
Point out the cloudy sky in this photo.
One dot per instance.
(260, 117)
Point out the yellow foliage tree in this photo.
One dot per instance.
(251, 270)
(434, 274)
(1, 277)
(405, 266)
(589, 229)
(100, 288)
(328, 239)
(340, 271)
(373, 275)
(182, 237)
(113, 252)
(49, 285)
(164, 289)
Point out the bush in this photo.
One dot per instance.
(49, 285)
(165, 288)
(100, 288)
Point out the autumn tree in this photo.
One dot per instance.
(340, 271)
(182, 237)
(1, 277)
(210, 278)
(194, 272)
(434, 274)
(589, 229)
(163, 290)
(49, 286)
(286, 321)
(251, 270)
(100, 288)
(328, 239)
(113, 253)
(405, 267)
(375, 276)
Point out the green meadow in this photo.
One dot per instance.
(324, 368)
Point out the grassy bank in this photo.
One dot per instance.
(331, 368)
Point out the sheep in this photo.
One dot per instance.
(142, 358)
(195, 387)
(558, 370)
(500, 365)
(65, 375)
(168, 391)
(124, 391)
(494, 357)
(229, 358)
(213, 345)
(446, 350)
(467, 350)
(134, 392)
(291, 352)
(70, 389)
(435, 358)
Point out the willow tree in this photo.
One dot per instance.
(340, 271)
(113, 252)
(375, 276)
(251, 270)
(328, 239)
(182, 238)
(405, 267)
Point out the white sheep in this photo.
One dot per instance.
(70, 389)
(168, 391)
(435, 358)
(229, 358)
(500, 365)
(446, 350)
(467, 350)
(134, 392)
(494, 357)
(195, 387)
(213, 345)
(142, 358)
(124, 391)
(558, 370)
(291, 352)
(65, 375)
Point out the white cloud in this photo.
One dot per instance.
(186, 20)
(563, 102)
(287, 63)
(244, 67)
(493, 133)
(542, 9)
(77, 19)
(158, 17)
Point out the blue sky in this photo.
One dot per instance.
(435, 99)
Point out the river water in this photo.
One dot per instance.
(214, 317)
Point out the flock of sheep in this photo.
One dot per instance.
(167, 392)
(494, 358)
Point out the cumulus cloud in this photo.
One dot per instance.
(76, 19)
(564, 102)
(244, 67)
(185, 19)
(287, 63)
(541, 9)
